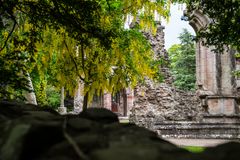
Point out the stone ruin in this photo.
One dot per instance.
(211, 112)
(154, 101)
(159, 102)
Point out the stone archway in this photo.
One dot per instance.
(215, 81)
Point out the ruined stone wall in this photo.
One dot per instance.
(213, 112)
(157, 42)
(158, 102)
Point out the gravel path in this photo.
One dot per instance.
(197, 142)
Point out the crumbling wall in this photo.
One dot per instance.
(157, 42)
(158, 102)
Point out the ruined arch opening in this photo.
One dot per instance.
(215, 81)
(214, 88)
(161, 109)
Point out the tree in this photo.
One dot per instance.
(15, 58)
(95, 26)
(183, 65)
(129, 60)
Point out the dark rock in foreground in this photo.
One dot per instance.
(32, 133)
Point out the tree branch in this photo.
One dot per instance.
(9, 35)
(75, 63)
(109, 8)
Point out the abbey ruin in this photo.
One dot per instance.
(210, 112)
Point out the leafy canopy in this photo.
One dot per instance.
(86, 37)
(224, 29)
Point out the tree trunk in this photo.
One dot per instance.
(124, 102)
(30, 95)
(85, 102)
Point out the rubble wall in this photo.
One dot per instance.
(158, 102)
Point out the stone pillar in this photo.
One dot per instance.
(206, 69)
(237, 69)
(62, 109)
(130, 100)
(30, 95)
(78, 98)
(223, 102)
(227, 83)
(214, 73)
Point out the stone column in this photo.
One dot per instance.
(223, 102)
(130, 100)
(62, 109)
(237, 69)
(30, 95)
(78, 98)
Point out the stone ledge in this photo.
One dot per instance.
(221, 96)
(197, 130)
(197, 125)
(220, 118)
(220, 137)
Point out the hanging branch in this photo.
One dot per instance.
(75, 63)
(9, 35)
(109, 6)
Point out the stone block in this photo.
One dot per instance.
(213, 107)
(221, 105)
(198, 130)
(229, 106)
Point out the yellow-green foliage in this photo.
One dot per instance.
(147, 10)
(129, 59)
(40, 90)
(88, 44)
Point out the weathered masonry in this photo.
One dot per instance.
(212, 112)
(215, 81)
(216, 108)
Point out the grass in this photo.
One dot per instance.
(124, 121)
(194, 149)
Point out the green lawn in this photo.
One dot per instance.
(124, 121)
(194, 149)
